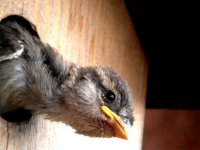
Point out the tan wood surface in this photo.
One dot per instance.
(89, 32)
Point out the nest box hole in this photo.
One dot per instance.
(17, 115)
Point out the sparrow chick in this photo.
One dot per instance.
(95, 101)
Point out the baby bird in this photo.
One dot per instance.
(95, 101)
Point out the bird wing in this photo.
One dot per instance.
(11, 46)
(18, 35)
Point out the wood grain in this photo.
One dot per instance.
(89, 32)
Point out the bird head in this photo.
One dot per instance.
(98, 103)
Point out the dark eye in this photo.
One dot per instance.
(109, 96)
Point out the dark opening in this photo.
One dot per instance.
(17, 115)
(167, 31)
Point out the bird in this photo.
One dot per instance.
(36, 79)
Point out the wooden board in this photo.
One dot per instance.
(89, 32)
(171, 129)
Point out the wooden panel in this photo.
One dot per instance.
(176, 129)
(89, 32)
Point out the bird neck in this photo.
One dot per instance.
(49, 99)
(71, 76)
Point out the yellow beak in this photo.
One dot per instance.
(115, 122)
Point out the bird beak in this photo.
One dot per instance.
(115, 122)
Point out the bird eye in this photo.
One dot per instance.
(109, 96)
